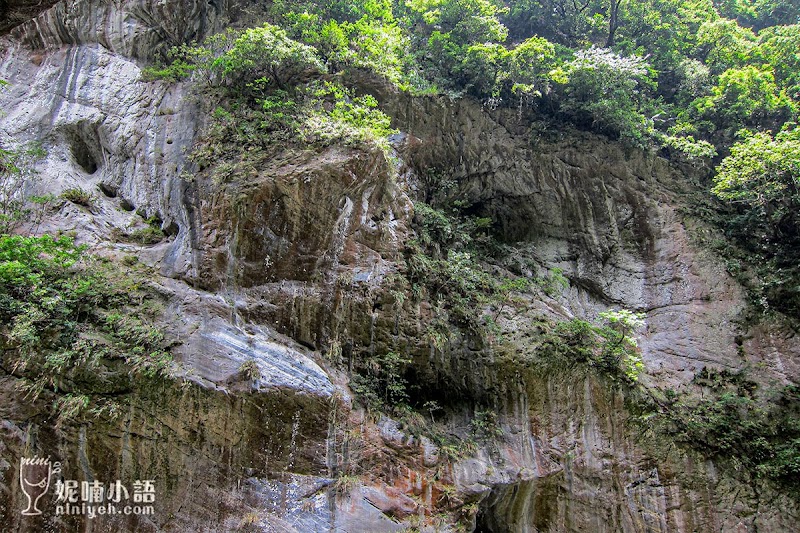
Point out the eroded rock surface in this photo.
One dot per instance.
(290, 270)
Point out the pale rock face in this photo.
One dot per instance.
(132, 28)
(296, 258)
(103, 129)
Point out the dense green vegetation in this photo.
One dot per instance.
(730, 423)
(700, 79)
(712, 82)
(69, 319)
(608, 347)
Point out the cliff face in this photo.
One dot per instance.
(292, 266)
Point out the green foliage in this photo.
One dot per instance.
(690, 147)
(485, 426)
(484, 67)
(250, 370)
(68, 318)
(348, 35)
(438, 231)
(746, 96)
(605, 92)
(575, 339)
(568, 23)
(462, 22)
(554, 283)
(725, 44)
(729, 424)
(620, 350)
(380, 47)
(530, 67)
(778, 48)
(177, 70)
(145, 236)
(447, 29)
(760, 178)
(692, 81)
(280, 112)
(341, 10)
(16, 169)
(380, 383)
(491, 69)
(456, 278)
(78, 196)
(250, 61)
(28, 262)
(666, 30)
(70, 407)
(760, 13)
(340, 115)
(148, 235)
(763, 173)
(609, 347)
(317, 113)
(266, 54)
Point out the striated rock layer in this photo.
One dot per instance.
(291, 267)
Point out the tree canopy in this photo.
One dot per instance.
(685, 77)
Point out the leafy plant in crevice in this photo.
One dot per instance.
(609, 347)
(554, 282)
(620, 350)
(456, 264)
(250, 370)
(68, 318)
(457, 280)
(379, 381)
(148, 235)
(484, 426)
(78, 196)
(443, 263)
(70, 407)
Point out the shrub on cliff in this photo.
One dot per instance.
(66, 316)
(253, 58)
(762, 174)
(761, 181)
(606, 91)
(268, 55)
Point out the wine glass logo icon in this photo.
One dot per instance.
(34, 479)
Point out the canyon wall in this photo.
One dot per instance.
(293, 266)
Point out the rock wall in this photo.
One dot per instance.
(292, 268)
